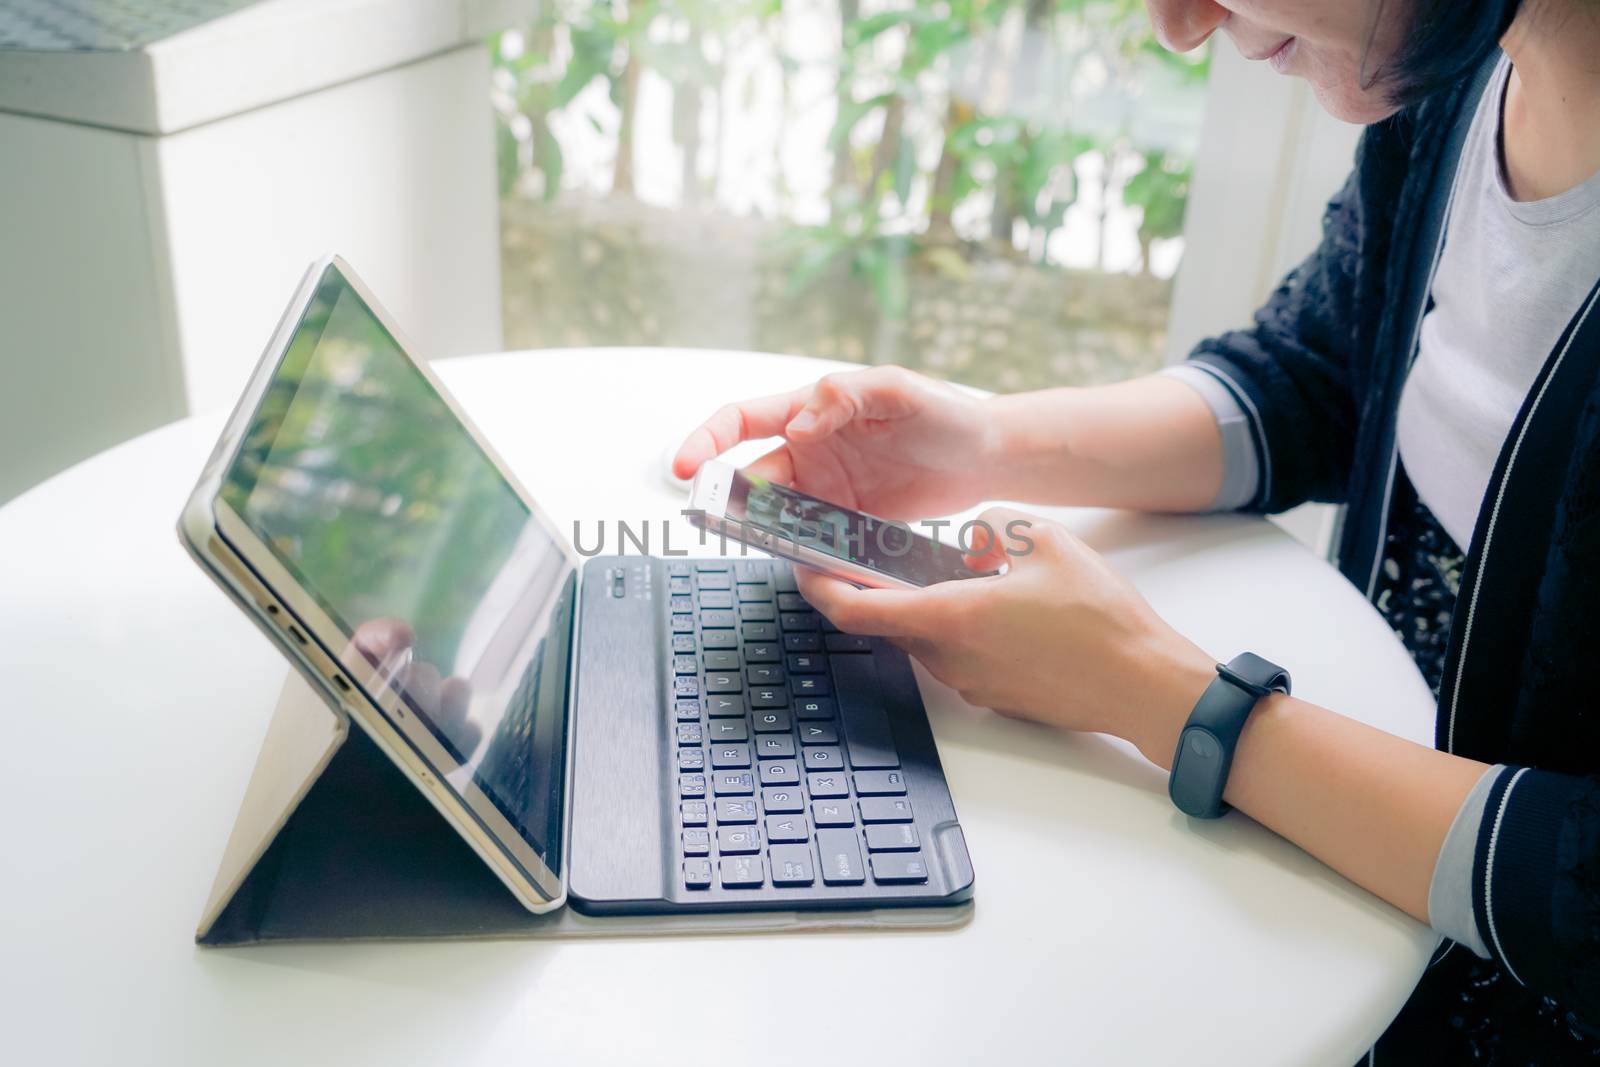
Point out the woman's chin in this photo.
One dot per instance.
(1350, 103)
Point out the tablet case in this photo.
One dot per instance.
(332, 842)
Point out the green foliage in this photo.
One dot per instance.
(908, 157)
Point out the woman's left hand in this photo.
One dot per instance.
(1060, 637)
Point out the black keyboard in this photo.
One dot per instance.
(786, 769)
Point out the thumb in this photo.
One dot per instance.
(997, 537)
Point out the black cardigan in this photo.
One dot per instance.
(1320, 374)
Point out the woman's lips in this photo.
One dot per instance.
(1283, 55)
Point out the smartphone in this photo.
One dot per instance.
(837, 540)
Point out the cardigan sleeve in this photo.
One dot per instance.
(1290, 371)
(1536, 884)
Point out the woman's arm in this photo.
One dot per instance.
(1151, 444)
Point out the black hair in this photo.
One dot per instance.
(1444, 41)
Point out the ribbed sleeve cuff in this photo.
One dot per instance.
(1515, 869)
(1241, 462)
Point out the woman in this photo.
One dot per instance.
(1433, 366)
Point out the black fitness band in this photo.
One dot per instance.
(1205, 748)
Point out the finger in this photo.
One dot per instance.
(775, 466)
(423, 683)
(746, 421)
(837, 399)
(381, 642)
(879, 612)
(998, 536)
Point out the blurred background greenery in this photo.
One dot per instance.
(991, 191)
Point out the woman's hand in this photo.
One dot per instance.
(1060, 637)
(884, 440)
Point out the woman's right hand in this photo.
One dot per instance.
(884, 440)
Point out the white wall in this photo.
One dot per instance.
(1270, 158)
(141, 276)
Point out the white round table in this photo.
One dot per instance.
(1109, 928)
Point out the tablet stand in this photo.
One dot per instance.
(332, 842)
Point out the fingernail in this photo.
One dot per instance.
(802, 422)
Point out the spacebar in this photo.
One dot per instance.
(867, 735)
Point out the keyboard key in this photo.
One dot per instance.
(691, 786)
(691, 759)
(827, 626)
(697, 874)
(732, 810)
(784, 829)
(827, 784)
(726, 756)
(743, 872)
(713, 580)
(694, 812)
(689, 733)
(848, 643)
(678, 586)
(783, 578)
(802, 642)
(892, 837)
(867, 735)
(724, 706)
(832, 813)
(753, 594)
(686, 710)
(771, 720)
(716, 620)
(799, 620)
(712, 565)
(792, 602)
(814, 708)
(791, 865)
(733, 840)
(697, 842)
(885, 809)
(767, 697)
(823, 758)
(723, 682)
(758, 612)
(806, 663)
(880, 784)
(717, 638)
(818, 733)
(841, 857)
(894, 868)
(761, 651)
(720, 661)
(810, 685)
(683, 644)
(774, 746)
(685, 665)
(734, 783)
(724, 730)
(686, 686)
(715, 600)
(682, 624)
(764, 674)
(679, 569)
(782, 801)
(752, 572)
(682, 605)
(779, 772)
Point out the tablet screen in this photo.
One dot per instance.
(450, 593)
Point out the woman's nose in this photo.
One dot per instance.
(1184, 25)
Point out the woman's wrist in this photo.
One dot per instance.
(1173, 690)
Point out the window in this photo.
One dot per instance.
(991, 191)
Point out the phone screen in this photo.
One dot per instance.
(887, 547)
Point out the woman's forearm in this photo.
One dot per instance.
(1149, 444)
(1374, 807)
